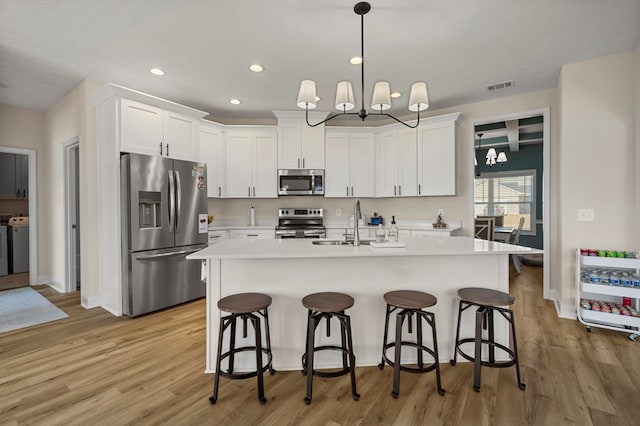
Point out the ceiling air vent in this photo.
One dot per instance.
(501, 85)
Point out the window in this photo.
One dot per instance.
(510, 194)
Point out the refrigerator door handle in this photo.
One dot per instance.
(161, 255)
(178, 200)
(172, 201)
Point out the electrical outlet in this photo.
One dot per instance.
(585, 215)
(338, 212)
(441, 211)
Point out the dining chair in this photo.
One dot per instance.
(515, 240)
(484, 228)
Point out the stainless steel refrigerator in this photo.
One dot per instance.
(164, 219)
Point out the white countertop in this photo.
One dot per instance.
(303, 248)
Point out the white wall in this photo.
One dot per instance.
(24, 128)
(597, 157)
(636, 74)
(71, 117)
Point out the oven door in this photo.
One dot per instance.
(300, 233)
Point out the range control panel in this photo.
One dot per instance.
(300, 213)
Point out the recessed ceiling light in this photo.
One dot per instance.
(157, 71)
(235, 101)
(396, 94)
(256, 68)
(356, 60)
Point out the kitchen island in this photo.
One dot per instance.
(289, 269)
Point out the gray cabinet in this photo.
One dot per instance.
(14, 176)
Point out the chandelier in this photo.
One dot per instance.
(418, 98)
(492, 156)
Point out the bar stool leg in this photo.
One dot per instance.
(216, 381)
(477, 363)
(256, 327)
(456, 345)
(384, 338)
(521, 385)
(431, 320)
(343, 335)
(352, 358)
(272, 371)
(310, 337)
(419, 338)
(398, 348)
(492, 338)
(232, 343)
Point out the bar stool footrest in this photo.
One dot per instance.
(496, 364)
(319, 373)
(425, 369)
(248, 374)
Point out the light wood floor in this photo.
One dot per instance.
(93, 368)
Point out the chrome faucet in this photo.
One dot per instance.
(357, 214)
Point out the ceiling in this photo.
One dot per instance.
(457, 47)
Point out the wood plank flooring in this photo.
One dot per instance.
(14, 281)
(96, 369)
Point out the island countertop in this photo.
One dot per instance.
(303, 248)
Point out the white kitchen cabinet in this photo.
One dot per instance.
(300, 146)
(437, 155)
(249, 233)
(216, 236)
(212, 152)
(397, 171)
(251, 163)
(147, 129)
(14, 176)
(350, 164)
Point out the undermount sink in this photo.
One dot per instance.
(337, 242)
(331, 243)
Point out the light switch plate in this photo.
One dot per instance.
(585, 215)
(338, 212)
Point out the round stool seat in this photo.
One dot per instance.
(244, 303)
(327, 302)
(410, 299)
(486, 296)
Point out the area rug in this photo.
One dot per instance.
(24, 307)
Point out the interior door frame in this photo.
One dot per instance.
(70, 270)
(546, 186)
(33, 210)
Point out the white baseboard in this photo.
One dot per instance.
(563, 310)
(45, 279)
(89, 302)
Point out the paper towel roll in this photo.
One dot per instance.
(252, 216)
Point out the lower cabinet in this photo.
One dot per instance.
(251, 233)
(217, 236)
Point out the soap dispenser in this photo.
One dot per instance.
(393, 231)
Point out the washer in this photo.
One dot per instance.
(18, 244)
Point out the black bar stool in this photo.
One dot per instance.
(245, 306)
(328, 305)
(487, 301)
(410, 303)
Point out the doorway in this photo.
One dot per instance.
(72, 192)
(536, 118)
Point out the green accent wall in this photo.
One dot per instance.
(529, 157)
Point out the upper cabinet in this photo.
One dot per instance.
(437, 155)
(397, 173)
(14, 176)
(300, 146)
(146, 129)
(212, 151)
(251, 162)
(131, 121)
(350, 163)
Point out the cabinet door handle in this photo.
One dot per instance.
(303, 163)
(160, 148)
(399, 189)
(254, 191)
(352, 191)
(249, 191)
(167, 149)
(298, 163)
(419, 189)
(24, 193)
(394, 190)
(18, 193)
(219, 191)
(347, 191)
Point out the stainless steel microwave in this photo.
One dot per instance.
(301, 182)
